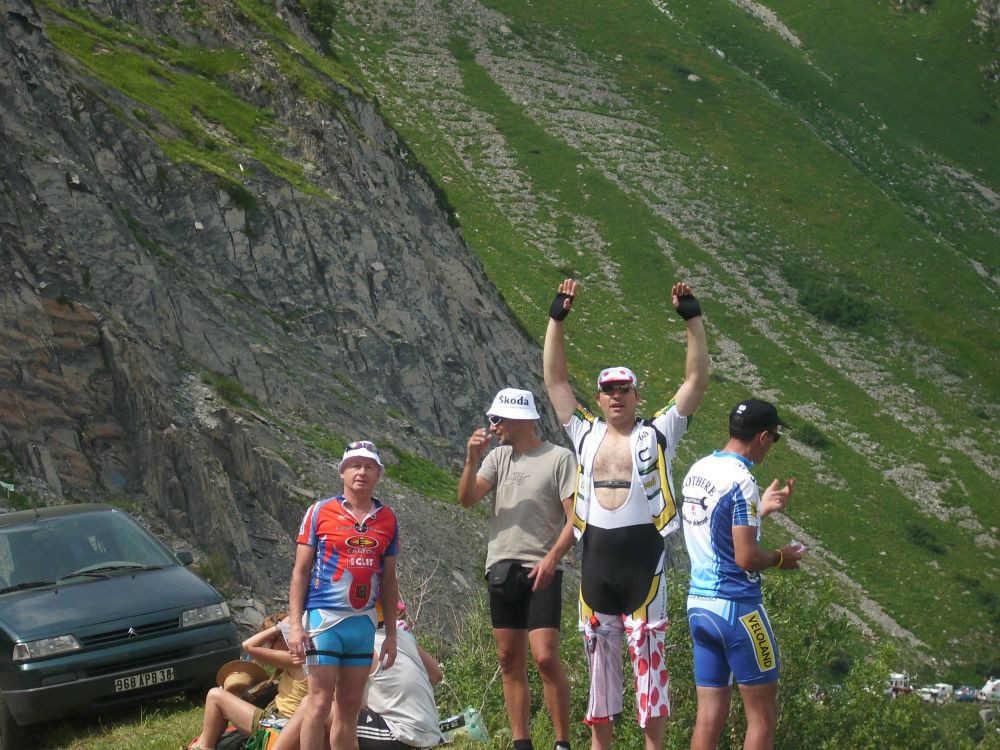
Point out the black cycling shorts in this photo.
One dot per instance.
(533, 610)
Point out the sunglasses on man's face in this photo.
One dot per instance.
(775, 435)
(616, 388)
(494, 419)
(363, 445)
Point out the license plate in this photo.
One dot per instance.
(136, 681)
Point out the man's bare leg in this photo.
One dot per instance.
(713, 709)
(512, 652)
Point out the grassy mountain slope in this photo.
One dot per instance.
(827, 181)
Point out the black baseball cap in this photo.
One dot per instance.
(753, 415)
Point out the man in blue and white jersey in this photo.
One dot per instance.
(722, 509)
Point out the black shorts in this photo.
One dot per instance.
(536, 609)
(374, 733)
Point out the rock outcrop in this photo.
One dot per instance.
(343, 301)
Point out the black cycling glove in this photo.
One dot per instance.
(557, 311)
(688, 307)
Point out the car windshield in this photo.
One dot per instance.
(45, 551)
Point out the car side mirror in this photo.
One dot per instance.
(184, 557)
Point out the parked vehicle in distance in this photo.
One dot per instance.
(990, 692)
(965, 694)
(898, 682)
(95, 613)
(945, 692)
(928, 694)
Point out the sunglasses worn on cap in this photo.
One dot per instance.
(494, 419)
(363, 445)
(616, 388)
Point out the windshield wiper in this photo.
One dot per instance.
(103, 571)
(27, 585)
(92, 573)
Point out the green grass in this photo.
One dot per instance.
(216, 569)
(323, 440)
(17, 500)
(162, 725)
(422, 475)
(189, 87)
(817, 649)
(230, 389)
(875, 47)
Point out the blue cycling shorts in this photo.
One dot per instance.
(349, 643)
(732, 641)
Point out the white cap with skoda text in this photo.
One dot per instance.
(512, 403)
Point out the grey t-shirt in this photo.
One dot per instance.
(528, 490)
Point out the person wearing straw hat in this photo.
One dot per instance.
(240, 675)
(227, 703)
(345, 562)
(532, 481)
(624, 507)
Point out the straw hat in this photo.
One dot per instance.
(238, 676)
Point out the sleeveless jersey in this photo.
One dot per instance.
(719, 493)
(651, 497)
(349, 555)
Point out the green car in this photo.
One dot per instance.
(95, 613)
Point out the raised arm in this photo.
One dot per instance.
(262, 649)
(471, 487)
(554, 354)
(696, 365)
(748, 553)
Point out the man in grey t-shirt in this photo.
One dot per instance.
(533, 482)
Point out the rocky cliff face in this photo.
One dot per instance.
(343, 301)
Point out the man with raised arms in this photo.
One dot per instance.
(624, 507)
